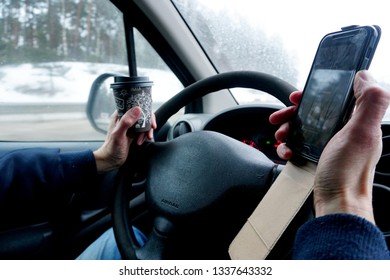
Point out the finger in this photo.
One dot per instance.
(286, 114)
(128, 119)
(284, 152)
(283, 115)
(154, 122)
(141, 139)
(150, 134)
(282, 132)
(295, 97)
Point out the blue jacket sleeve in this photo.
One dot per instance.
(340, 236)
(37, 178)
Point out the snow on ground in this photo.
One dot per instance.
(70, 82)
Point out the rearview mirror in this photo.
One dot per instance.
(101, 103)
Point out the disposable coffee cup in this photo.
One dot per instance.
(134, 91)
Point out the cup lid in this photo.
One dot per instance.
(122, 79)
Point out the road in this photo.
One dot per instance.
(57, 130)
(26, 122)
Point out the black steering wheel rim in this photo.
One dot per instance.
(246, 79)
(273, 85)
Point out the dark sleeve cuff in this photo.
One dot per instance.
(79, 169)
(340, 236)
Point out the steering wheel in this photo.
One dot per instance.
(200, 187)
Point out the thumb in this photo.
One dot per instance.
(372, 101)
(129, 119)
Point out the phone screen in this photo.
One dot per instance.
(327, 97)
(322, 112)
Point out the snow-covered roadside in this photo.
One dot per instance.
(59, 90)
(70, 82)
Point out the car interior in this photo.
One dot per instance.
(213, 157)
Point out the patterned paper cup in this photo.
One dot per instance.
(134, 91)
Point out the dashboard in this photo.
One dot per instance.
(246, 123)
(250, 125)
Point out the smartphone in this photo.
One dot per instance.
(328, 100)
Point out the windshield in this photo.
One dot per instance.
(280, 37)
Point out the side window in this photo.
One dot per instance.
(50, 53)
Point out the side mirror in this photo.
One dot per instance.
(101, 103)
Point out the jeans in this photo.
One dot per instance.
(105, 248)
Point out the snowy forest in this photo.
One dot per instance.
(56, 30)
(37, 31)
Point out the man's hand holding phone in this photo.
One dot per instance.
(346, 167)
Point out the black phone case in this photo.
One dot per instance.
(303, 153)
